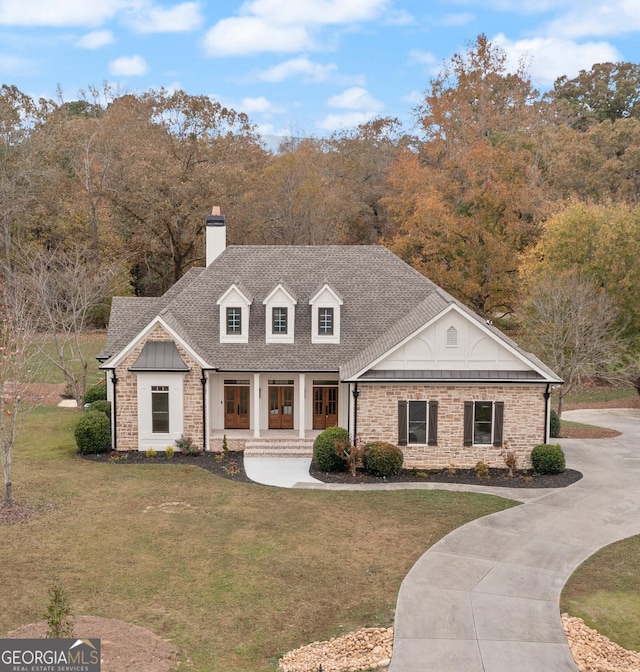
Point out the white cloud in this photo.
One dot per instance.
(95, 39)
(251, 35)
(457, 20)
(602, 19)
(335, 122)
(549, 58)
(314, 72)
(55, 13)
(154, 19)
(414, 97)
(13, 65)
(355, 98)
(285, 25)
(128, 66)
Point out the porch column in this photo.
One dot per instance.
(302, 411)
(256, 405)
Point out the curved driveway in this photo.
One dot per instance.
(485, 597)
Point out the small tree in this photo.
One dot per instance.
(58, 614)
(571, 325)
(16, 335)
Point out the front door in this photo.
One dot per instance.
(325, 407)
(281, 407)
(236, 407)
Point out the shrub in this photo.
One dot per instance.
(185, 445)
(93, 434)
(102, 406)
(60, 622)
(324, 449)
(548, 458)
(96, 392)
(169, 452)
(382, 459)
(481, 469)
(554, 425)
(151, 453)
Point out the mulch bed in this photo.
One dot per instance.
(231, 466)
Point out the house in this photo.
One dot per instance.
(272, 344)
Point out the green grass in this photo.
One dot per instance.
(605, 592)
(234, 574)
(595, 394)
(44, 371)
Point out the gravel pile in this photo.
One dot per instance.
(366, 649)
(370, 649)
(595, 653)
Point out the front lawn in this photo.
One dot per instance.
(605, 592)
(233, 573)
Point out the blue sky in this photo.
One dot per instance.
(298, 67)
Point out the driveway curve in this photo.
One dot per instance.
(485, 597)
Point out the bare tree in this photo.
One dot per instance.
(571, 324)
(16, 335)
(66, 285)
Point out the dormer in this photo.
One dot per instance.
(325, 315)
(234, 314)
(280, 313)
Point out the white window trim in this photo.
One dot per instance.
(325, 298)
(279, 297)
(493, 421)
(146, 437)
(234, 298)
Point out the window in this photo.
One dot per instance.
(452, 337)
(160, 409)
(279, 320)
(325, 321)
(418, 423)
(483, 422)
(234, 320)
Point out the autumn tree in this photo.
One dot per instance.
(607, 92)
(602, 242)
(571, 324)
(471, 200)
(178, 156)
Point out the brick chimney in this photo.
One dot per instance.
(216, 234)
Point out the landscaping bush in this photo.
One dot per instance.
(96, 392)
(101, 405)
(548, 458)
(324, 449)
(93, 433)
(382, 459)
(554, 425)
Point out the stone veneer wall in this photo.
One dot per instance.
(524, 417)
(127, 390)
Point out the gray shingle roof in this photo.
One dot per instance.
(385, 300)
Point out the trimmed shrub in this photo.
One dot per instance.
(324, 449)
(382, 459)
(96, 392)
(93, 433)
(554, 425)
(101, 405)
(548, 458)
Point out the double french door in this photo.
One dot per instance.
(281, 406)
(325, 406)
(236, 406)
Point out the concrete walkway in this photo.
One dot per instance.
(485, 597)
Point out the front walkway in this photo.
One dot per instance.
(485, 597)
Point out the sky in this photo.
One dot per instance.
(298, 67)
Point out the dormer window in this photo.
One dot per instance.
(279, 320)
(325, 315)
(325, 321)
(234, 314)
(234, 320)
(280, 314)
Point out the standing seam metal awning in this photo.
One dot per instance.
(159, 356)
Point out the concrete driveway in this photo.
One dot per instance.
(485, 597)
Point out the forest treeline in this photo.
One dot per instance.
(496, 189)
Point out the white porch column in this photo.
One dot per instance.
(302, 410)
(256, 405)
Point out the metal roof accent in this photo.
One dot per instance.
(159, 356)
(452, 375)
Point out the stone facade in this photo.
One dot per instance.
(127, 391)
(524, 419)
